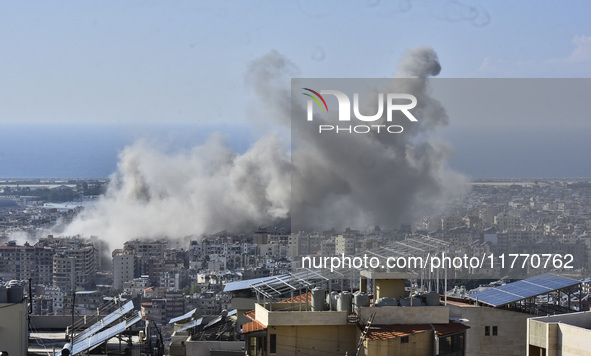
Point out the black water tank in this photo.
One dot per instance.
(15, 294)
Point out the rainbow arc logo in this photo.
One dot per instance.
(314, 98)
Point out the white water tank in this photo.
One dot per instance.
(331, 300)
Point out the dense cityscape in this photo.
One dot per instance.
(170, 276)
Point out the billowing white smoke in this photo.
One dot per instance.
(211, 188)
(208, 189)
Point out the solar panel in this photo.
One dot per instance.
(527, 288)
(213, 322)
(524, 288)
(183, 317)
(96, 339)
(494, 297)
(93, 336)
(134, 319)
(191, 324)
(104, 322)
(219, 318)
(553, 281)
(99, 338)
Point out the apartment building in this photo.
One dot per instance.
(125, 269)
(559, 335)
(306, 324)
(23, 262)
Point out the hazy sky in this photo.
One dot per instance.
(185, 61)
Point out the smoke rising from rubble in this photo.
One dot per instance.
(388, 180)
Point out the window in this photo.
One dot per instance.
(404, 340)
(495, 331)
(273, 341)
(452, 345)
(487, 331)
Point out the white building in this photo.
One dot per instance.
(124, 268)
(345, 244)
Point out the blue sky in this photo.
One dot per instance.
(184, 62)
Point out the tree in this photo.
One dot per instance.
(190, 290)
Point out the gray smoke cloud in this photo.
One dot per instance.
(359, 180)
(420, 62)
(211, 188)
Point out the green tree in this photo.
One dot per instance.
(190, 290)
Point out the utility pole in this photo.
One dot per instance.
(72, 327)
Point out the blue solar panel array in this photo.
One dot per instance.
(527, 288)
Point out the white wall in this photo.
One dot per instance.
(14, 329)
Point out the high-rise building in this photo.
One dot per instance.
(22, 262)
(84, 255)
(64, 272)
(345, 244)
(125, 269)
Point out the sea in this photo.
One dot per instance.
(91, 150)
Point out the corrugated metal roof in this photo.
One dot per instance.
(246, 283)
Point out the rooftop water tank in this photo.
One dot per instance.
(360, 300)
(345, 302)
(3, 295)
(331, 300)
(386, 302)
(432, 299)
(407, 302)
(318, 299)
(15, 294)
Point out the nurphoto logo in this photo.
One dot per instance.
(394, 102)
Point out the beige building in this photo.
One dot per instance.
(303, 244)
(282, 329)
(492, 331)
(64, 272)
(559, 335)
(292, 328)
(21, 262)
(507, 222)
(345, 244)
(83, 255)
(13, 328)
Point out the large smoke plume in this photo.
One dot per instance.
(386, 180)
